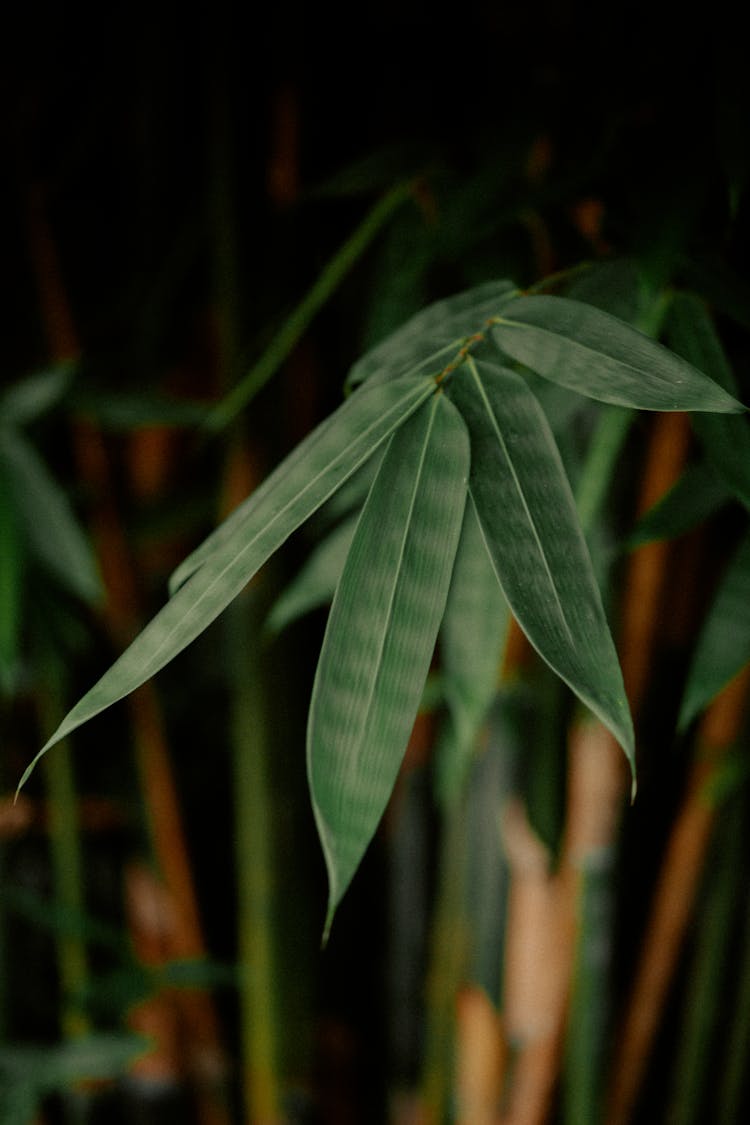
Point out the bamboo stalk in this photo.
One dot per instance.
(673, 899)
(300, 318)
(695, 1061)
(596, 793)
(122, 616)
(446, 961)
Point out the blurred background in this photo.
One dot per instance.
(205, 222)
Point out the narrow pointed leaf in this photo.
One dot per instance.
(441, 325)
(723, 647)
(316, 468)
(316, 582)
(50, 527)
(726, 440)
(596, 354)
(472, 636)
(295, 490)
(381, 634)
(528, 518)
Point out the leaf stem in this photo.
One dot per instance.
(322, 289)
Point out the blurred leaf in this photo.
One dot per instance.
(472, 636)
(45, 1069)
(598, 355)
(19, 1100)
(696, 496)
(11, 584)
(51, 529)
(433, 333)
(35, 395)
(216, 573)
(316, 582)
(529, 521)
(723, 647)
(613, 286)
(65, 922)
(381, 634)
(119, 411)
(691, 333)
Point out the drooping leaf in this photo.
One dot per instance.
(251, 534)
(726, 440)
(381, 634)
(723, 647)
(696, 496)
(50, 527)
(316, 582)
(528, 518)
(471, 642)
(316, 468)
(602, 357)
(433, 331)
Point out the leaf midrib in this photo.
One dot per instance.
(501, 440)
(397, 573)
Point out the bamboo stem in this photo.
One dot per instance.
(673, 899)
(297, 323)
(122, 614)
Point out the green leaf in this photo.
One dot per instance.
(723, 647)
(598, 355)
(251, 534)
(697, 495)
(118, 411)
(98, 1056)
(434, 333)
(691, 333)
(315, 584)
(316, 468)
(50, 527)
(11, 584)
(35, 395)
(529, 521)
(472, 636)
(381, 634)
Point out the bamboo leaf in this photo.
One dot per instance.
(723, 647)
(434, 331)
(472, 636)
(726, 440)
(315, 584)
(596, 354)
(323, 461)
(381, 634)
(528, 519)
(251, 534)
(50, 527)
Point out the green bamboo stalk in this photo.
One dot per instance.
(66, 854)
(703, 1007)
(298, 321)
(590, 999)
(254, 865)
(446, 963)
